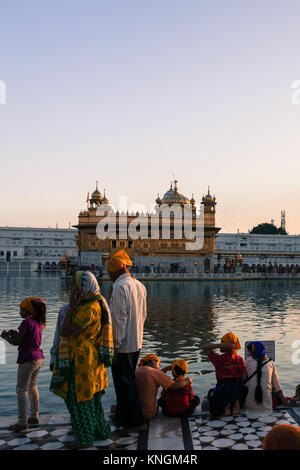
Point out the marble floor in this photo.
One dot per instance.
(165, 433)
(198, 432)
(54, 433)
(235, 433)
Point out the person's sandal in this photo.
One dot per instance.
(18, 428)
(33, 421)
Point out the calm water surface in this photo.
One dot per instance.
(181, 317)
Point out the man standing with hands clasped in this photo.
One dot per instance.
(129, 311)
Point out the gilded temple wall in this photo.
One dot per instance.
(148, 251)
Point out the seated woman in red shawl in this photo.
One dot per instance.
(229, 394)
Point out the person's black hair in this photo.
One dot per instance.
(40, 308)
(178, 371)
(148, 362)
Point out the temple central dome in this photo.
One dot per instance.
(172, 196)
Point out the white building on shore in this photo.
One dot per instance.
(43, 248)
(258, 249)
(35, 248)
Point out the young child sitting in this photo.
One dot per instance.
(181, 402)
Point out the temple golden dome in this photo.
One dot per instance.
(172, 196)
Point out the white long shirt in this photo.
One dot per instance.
(128, 305)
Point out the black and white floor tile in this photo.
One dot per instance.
(57, 435)
(235, 433)
(198, 432)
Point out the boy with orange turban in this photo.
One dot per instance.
(180, 402)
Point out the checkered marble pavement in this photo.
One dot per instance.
(198, 432)
(55, 434)
(235, 433)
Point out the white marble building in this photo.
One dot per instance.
(258, 249)
(33, 248)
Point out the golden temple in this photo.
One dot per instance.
(157, 254)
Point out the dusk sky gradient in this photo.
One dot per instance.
(130, 92)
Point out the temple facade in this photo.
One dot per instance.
(152, 249)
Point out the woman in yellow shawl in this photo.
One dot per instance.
(85, 350)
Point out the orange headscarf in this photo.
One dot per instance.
(27, 304)
(183, 366)
(282, 437)
(231, 338)
(148, 358)
(118, 261)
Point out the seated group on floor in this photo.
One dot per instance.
(177, 397)
(252, 384)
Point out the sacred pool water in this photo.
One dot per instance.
(182, 315)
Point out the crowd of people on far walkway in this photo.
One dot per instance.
(269, 268)
(92, 336)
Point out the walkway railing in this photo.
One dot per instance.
(180, 276)
(215, 276)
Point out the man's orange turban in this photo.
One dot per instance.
(232, 338)
(148, 358)
(118, 261)
(282, 437)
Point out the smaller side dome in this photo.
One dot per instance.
(105, 200)
(158, 200)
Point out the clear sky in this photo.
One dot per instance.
(130, 92)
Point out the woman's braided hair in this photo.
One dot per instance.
(258, 394)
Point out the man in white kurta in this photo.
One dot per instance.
(128, 307)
